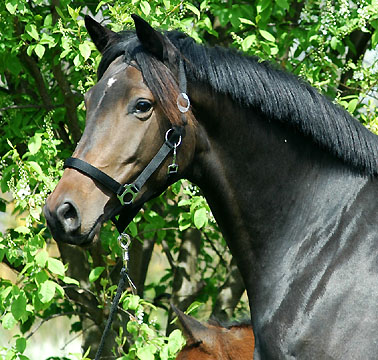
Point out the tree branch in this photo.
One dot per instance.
(186, 285)
(69, 102)
(30, 106)
(53, 316)
(361, 41)
(229, 294)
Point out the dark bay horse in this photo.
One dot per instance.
(213, 341)
(291, 179)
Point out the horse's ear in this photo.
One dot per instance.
(152, 40)
(193, 330)
(100, 35)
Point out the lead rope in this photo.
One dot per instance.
(124, 241)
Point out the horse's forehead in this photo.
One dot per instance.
(119, 79)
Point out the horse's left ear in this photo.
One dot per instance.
(152, 40)
(100, 35)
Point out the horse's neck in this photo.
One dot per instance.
(267, 185)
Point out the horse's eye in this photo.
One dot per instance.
(143, 106)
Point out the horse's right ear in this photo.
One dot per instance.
(100, 35)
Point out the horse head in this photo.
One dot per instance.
(132, 109)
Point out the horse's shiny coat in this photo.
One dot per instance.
(291, 180)
(213, 341)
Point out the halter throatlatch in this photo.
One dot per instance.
(126, 193)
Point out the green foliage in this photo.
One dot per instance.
(47, 63)
(148, 342)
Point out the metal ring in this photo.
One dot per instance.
(166, 138)
(183, 97)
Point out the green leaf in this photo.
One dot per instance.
(35, 143)
(334, 42)
(374, 39)
(32, 31)
(193, 9)
(184, 202)
(175, 341)
(85, 50)
(18, 307)
(262, 5)
(47, 40)
(73, 13)
(176, 187)
(59, 12)
(69, 280)
(11, 7)
(283, 4)
(41, 258)
(59, 289)
(21, 344)
(48, 20)
(184, 221)
(248, 42)
(131, 302)
(193, 306)
(39, 50)
(267, 35)
(132, 327)
(8, 321)
(133, 229)
(352, 105)
(55, 266)
(146, 352)
(76, 60)
(95, 273)
(247, 21)
(35, 166)
(200, 218)
(46, 291)
(145, 7)
(22, 230)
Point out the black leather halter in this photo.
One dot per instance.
(126, 193)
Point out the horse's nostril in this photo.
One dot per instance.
(68, 216)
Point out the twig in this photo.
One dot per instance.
(173, 10)
(52, 317)
(76, 336)
(153, 230)
(168, 255)
(30, 106)
(223, 261)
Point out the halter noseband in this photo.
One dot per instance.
(126, 193)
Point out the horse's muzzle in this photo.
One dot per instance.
(64, 223)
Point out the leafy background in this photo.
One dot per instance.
(47, 63)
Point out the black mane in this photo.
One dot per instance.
(275, 93)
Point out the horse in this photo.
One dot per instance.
(212, 341)
(290, 177)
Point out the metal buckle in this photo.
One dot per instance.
(131, 190)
